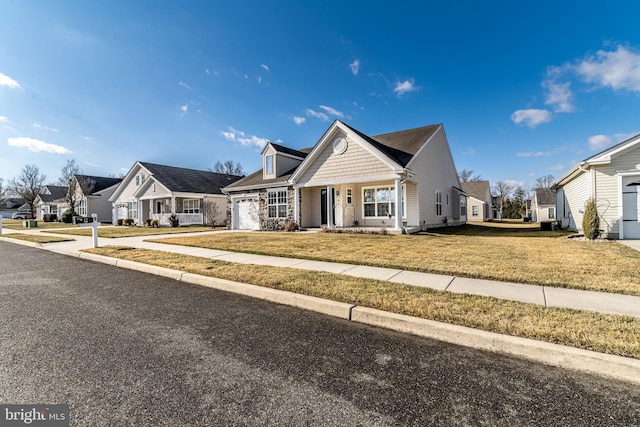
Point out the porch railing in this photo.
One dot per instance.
(183, 218)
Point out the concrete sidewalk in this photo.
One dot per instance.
(534, 294)
(611, 366)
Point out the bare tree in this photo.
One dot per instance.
(211, 212)
(78, 184)
(2, 192)
(228, 167)
(502, 189)
(27, 185)
(467, 175)
(545, 181)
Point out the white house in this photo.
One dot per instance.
(543, 206)
(612, 178)
(151, 191)
(402, 181)
(479, 202)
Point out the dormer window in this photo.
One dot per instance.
(268, 165)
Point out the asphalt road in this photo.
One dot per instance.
(128, 348)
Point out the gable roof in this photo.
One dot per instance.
(56, 192)
(544, 196)
(476, 189)
(290, 151)
(603, 157)
(185, 180)
(399, 147)
(100, 182)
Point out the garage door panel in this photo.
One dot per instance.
(630, 208)
(247, 215)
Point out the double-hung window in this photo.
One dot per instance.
(133, 209)
(474, 210)
(552, 213)
(438, 203)
(191, 206)
(379, 202)
(277, 203)
(81, 207)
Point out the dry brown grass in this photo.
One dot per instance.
(122, 231)
(18, 224)
(598, 332)
(36, 238)
(522, 254)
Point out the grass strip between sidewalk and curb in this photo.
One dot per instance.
(604, 333)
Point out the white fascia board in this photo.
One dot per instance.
(126, 181)
(244, 196)
(328, 136)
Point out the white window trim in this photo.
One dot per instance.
(349, 199)
(278, 203)
(185, 208)
(438, 196)
(266, 164)
(392, 212)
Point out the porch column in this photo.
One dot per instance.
(330, 224)
(399, 197)
(296, 206)
(173, 204)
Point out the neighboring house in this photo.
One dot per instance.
(401, 181)
(151, 191)
(92, 195)
(612, 178)
(51, 201)
(496, 207)
(543, 205)
(479, 202)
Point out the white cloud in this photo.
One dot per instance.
(332, 111)
(36, 145)
(355, 67)
(266, 67)
(184, 85)
(534, 154)
(405, 87)
(619, 69)
(4, 119)
(39, 126)
(184, 108)
(299, 120)
(259, 80)
(91, 164)
(317, 114)
(556, 168)
(470, 151)
(244, 140)
(531, 117)
(8, 81)
(559, 95)
(597, 142)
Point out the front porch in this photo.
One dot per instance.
(183, 218)
(357, 207)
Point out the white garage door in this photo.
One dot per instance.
(631, 207)
(247, 217)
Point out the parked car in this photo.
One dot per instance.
(21, 215)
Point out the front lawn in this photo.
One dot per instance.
(37, 238)
(125, 231)
(521, 254)
(583, 329)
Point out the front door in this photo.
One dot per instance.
(323, 206)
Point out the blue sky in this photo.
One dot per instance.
(524, 89)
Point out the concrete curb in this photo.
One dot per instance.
(607, 365)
